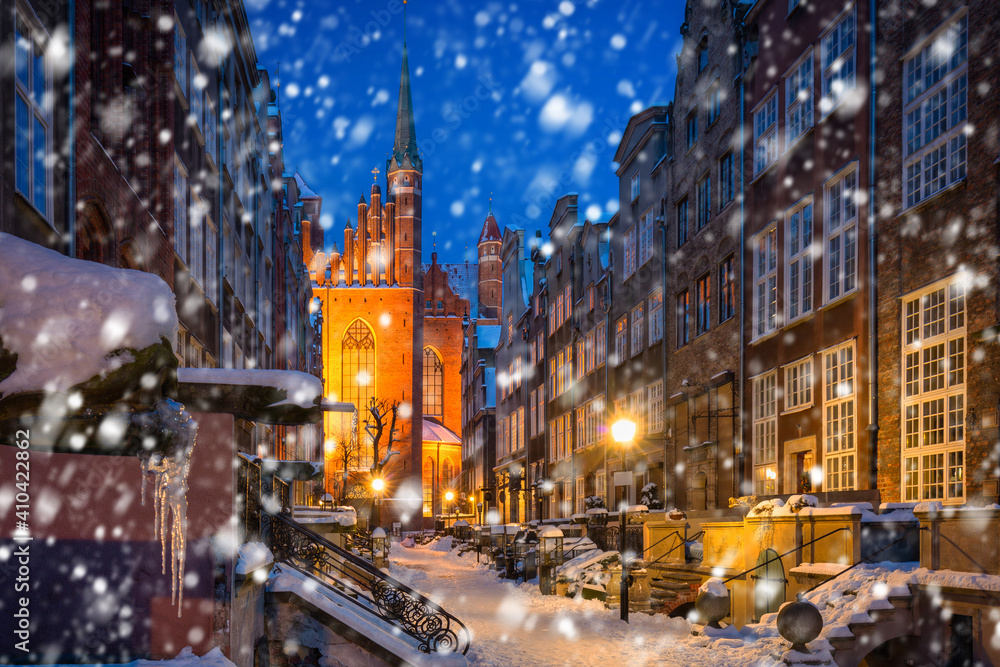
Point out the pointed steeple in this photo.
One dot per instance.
(404, 150)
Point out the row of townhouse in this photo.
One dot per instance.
(157, 148)
(798, 293)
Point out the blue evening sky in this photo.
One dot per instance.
(526, 100)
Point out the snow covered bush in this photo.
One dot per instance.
(651, 497)
(594, 502)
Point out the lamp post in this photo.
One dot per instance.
(377, 485)
(623, 432)
(450, 497)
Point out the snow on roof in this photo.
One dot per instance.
(90, 312)
(301, 389)
(488, 335)
(305, 192)
(434, 432)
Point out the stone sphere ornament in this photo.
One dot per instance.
(800, 623)
(712, 608)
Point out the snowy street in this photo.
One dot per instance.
(513, 624)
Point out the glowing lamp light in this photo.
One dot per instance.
(770, 474)
(623, 430)
(378, 484)
(449, 496)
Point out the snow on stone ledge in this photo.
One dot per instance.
(301, 389)
(187, 658)
(714, 586)
(64, 317)
(252, 556)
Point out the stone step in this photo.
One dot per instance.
(660, 594)
(670, 584)
(879, 615)
(845, 643)
(901, 601)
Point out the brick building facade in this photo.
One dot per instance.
(936, 201)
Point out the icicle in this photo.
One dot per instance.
(170, 474)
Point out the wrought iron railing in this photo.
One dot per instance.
(356, 581)
(683, 543)
(606, 538)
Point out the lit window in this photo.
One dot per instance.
(765, 430)
(798, 384)
(799, 259)
(358, 378)
(621, 341)
(839, 62)
(655, 402)
(933, 403)
(840, 423)
(704, 305)
(935, 114)
(765, 134)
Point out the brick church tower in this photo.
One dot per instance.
(490, 269)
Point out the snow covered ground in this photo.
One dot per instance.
(513, 624)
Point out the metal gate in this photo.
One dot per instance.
(769, 586)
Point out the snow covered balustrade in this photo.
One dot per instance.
(966, 539)
(354, 585)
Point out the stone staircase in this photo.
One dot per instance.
(672, 586)
(884, 619)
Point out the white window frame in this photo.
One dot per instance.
(621, 341)
(838, 46)
(799, 385)
(765, 132)
(765, 293)
(38, 112)
(799, 269)
(930, 82)
(629, 251)
(840, 256)
(840, 417)
(930, 378)
(637, 325)
(634, 186)
(655, 316)
(656, 407)
(799, 98)
(765, 432)
(646, 237)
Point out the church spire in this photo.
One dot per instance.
(404, 151)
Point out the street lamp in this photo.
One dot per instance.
(377, 485)
(623, 432)
(450, 497)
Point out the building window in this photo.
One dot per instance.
(842, 233)
(703, 54)
(590, 298)
(683, 318)
(704, 304)
(32, 116)
(839, 62)
(682, 222)
(646, 237)
(357, 358)
(656, 407)
(765, 434)
(766, 283)
(704, 192)
(621, 341)
(727, 183)
(839, 421)
(656, 317)
(714, 102)
(180, 57)
(765, 135)
(935, 113)
(180, 209)
(629, 252)
(638, 323)
(933, 405)
(798, 385)
(692, 128)
(634, 186)
(799, 99)
(799, 259)
(727, 288)
(600, 343)
(552, 377)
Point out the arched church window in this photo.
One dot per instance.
(447, 473)
(433, 383)
(358, 378)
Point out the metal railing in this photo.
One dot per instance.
(864, 560)
(606, 538)
(683, 543)
(356, 581)
(790, 551)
